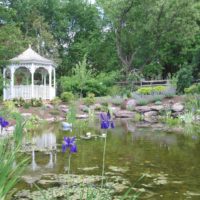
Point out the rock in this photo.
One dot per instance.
(157, 108)
(124, 114)
(114, 109)
(82, 116)
(143, 109)
(96, 106)
(177, 107)
(130, 104)
(65, 110)
(49, 106)
(151, 116)
(84, 108)
(26, 115)
(63, 107)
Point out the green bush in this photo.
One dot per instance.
(194, 89)
(36, 102)
(90, 99)
(19, 102)
(150, 90)
(67, 97)
(26, 105)
(99, 84)
(56, 101)
(184, 79)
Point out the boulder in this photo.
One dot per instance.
(65, 110)
(49, 106)
(142, 109)
(151, 116)
(84, 108)
(157, 108)
(82, 116)
(26, 115)
(177, 107)
(130, 104)
(63, 106)
(124, 114)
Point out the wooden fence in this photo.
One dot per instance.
(143, 83)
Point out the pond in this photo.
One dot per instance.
(169, 162)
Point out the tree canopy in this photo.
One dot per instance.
(150, 37)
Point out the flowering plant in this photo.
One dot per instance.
(3, 123)
(106, 121)
(69, 143)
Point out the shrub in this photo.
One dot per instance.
(142, 102)
(184, 76)
(97, 84)
(19, 102)
(67, 96)
(26, 105)
(56, 101)
(194, 89)
(117, 101)
(150, 90)
(90, 99)
(36, 102)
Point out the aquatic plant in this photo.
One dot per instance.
(10, 171)
(106, 121)
(70, 145)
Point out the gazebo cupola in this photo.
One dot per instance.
(28, 76)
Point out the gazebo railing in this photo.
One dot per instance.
(25, 92)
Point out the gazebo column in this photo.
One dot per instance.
(12, 91)
(32, 80)
(4, 84)
(54, 82)
(50, 83)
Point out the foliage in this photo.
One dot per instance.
(142, 102)
(19, 102)
(90, 99)
(150, 90)
(82, 72)
(32, 122)
(184, 78)
(117, 100)
(36, 102)
(67, 97)
(193, 89)
(99, 84)
(10, 169)
(192, 103)
(56, 101)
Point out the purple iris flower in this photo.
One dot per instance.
(69, 143)
(3, 122)
(106, 121)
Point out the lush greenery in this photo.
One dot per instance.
(139, 39)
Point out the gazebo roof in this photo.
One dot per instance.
(30, 56)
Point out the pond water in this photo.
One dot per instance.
(169, 161)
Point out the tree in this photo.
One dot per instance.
(82, 73)
(143, 28)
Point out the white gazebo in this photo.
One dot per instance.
(28, 76)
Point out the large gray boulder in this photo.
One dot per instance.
(124, 114)
(157, 108)
(151, 116)
(177, 107)
(143, 109)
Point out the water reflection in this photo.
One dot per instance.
(45, 142)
